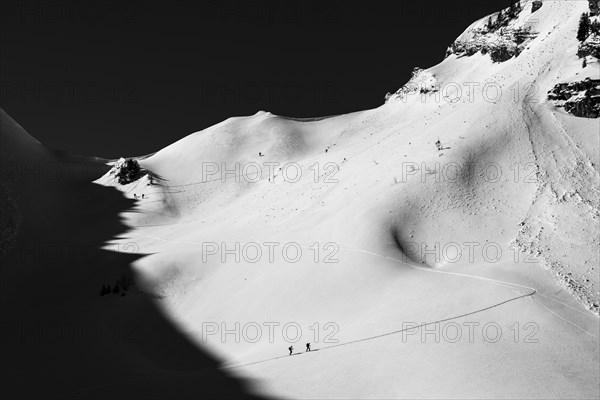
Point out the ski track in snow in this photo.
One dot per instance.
(532, 292)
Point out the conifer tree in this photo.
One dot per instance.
(499, 18)
(584, 27)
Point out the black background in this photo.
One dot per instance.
(127, 78)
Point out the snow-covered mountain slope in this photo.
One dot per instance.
(428, 248)
(473, 203)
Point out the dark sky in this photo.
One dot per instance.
(127, 78)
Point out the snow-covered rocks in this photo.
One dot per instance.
(502, 45)
(590, 46)
(503, 35)
(421, 81)
(581, 99)
(126, 171)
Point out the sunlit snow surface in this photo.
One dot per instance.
(489, 237)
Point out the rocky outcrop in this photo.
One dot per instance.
(421, 81)
(127, 171)
(590, 47)
(501, 35)
(501, 45)
(581, 99)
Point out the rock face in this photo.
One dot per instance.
(581, 99)
(127, 171)
(536, 5)
(502, 45)
(590, 47)
(503, 36)
(587, 106)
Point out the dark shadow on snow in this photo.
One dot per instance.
(58, 337)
